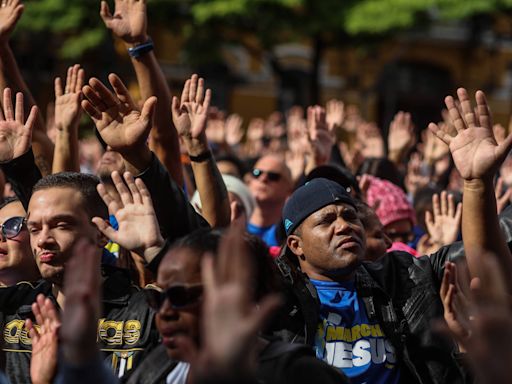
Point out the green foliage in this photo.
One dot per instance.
(205, 24)
(381, 16)
(452, 9)
(76, 21)
(378, 16)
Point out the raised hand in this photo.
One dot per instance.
(15, 133)
(474, 149)
(82, 289)
(456, 305)
(434, 149)
(401, 136)
(443, 224)
(215, 127)
(190, 115)
(499, 133)
(67, 100)
(233, 128)
(129, 20)
(320, 139)
(506, 170)
(138, 226)
(416, 176)
(116, 116)
(503, 195)
(353, 119)
(44, 336)
(10, 13)
(481, 322)
(295, 162)
(335, 114)
(370, 138)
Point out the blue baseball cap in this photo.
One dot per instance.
(311, 197)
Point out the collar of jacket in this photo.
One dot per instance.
(117, 286)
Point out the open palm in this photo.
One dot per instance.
(475, 152)
(10, 12)
(15, 134)
(190, 114)
(121, 125)
(68, 99)
(44, 338)
(138, 226)
(122, 128)
(129, 19)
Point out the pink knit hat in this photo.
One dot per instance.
(389, 201)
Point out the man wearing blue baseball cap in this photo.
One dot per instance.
(373, 321)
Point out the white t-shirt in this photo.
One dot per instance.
(179, 374)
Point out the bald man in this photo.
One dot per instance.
(270, 184)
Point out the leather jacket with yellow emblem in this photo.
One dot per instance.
(126, 330)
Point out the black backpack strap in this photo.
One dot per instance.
(304, 300)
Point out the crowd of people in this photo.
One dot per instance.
(178, 245)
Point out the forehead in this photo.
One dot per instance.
(331, 208)
(10, 210)
(55, 201)
(270, 163)
(179, 266)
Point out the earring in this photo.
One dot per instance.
(302, 257)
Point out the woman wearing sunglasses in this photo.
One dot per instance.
(16, 261)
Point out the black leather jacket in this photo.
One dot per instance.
(126, 330)
(401, 292)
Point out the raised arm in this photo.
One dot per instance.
(477, 156)
(129, 23)
(125, 130)
(401, 138)
(120, 123)
(16, 158)
(190, 117)
(320, 139)
(10, 77)
(67, 119)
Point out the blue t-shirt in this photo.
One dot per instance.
(347, 340)
(267, 234)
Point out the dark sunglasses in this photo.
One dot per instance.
(12, 227)
(272, 176)
(180, 296)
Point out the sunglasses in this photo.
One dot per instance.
(12, 227)
(180, 296)
(272, 176)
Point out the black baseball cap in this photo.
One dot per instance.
(311, 197)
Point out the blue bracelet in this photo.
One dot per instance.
(141, 49)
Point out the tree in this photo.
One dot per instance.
(258, 25)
